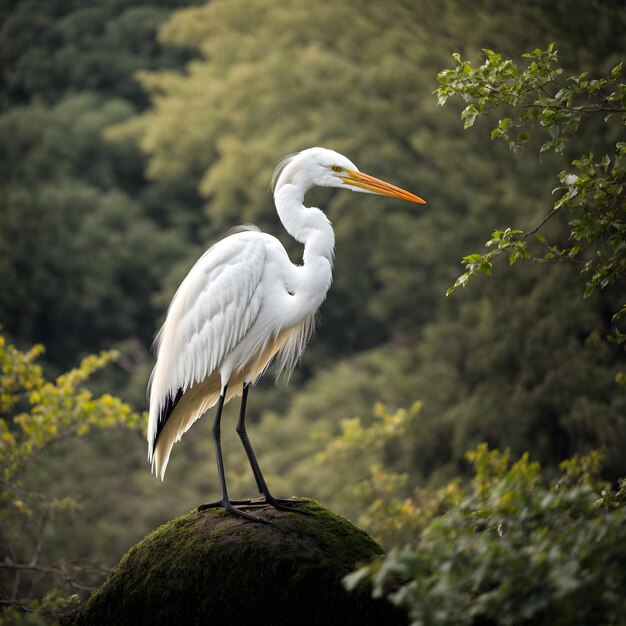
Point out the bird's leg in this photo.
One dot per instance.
(247, 446)
(225, 502)
(278, 503)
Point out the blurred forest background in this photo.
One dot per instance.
(135, 133)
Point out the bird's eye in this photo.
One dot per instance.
(336, 168)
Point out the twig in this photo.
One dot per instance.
(541, 223)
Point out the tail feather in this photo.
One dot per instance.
(164, 412)
(185, 408)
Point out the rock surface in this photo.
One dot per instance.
(213, 568)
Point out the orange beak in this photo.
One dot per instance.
(375, 185)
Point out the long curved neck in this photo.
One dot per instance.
(311, 227)
(307, 225)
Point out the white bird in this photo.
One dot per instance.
(243, 304)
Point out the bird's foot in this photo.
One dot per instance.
(228, 505)
(282, 504)
(218, 503)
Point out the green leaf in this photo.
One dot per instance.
(485, 267)
(589, 289)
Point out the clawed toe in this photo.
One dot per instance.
(228, 505)
(284, 504)
(218, 503)
(235, 511)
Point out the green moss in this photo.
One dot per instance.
(213, 568)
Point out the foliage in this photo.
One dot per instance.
(35, 415)
(82, 242)
(49, 49)
(92, 256)
(376, 494)
(515, 549)
(593, 194)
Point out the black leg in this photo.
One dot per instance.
(247, 446)
(278, 503)
(225, 502)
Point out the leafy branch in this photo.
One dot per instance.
(592, 193)
(513, 548)
(35, 415)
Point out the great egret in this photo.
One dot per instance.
(242, 304)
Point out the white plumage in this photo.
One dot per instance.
(224, 323)
(243, 303)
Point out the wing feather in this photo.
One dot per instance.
(212, 310)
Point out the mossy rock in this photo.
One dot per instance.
(213, 568)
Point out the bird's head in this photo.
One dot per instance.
(322, 167)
